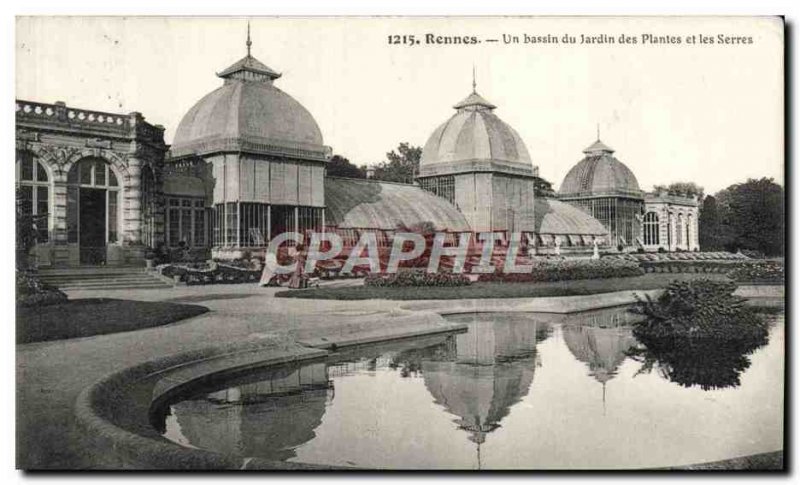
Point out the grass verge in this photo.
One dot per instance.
(96, 316)
(650, 281)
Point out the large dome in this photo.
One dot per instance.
(474, 135)
(248, 113)
(600, 173)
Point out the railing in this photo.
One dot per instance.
(62, 113)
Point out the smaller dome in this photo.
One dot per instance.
(474, 135)
(600, 173)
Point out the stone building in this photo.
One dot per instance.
(91, 180)
(248, 162)
(604, 187)
(670, 222)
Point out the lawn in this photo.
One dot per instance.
(650, 281)
(96, 316)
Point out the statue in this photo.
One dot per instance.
(558, 246)
(595, 250)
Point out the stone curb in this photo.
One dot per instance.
(92, 409)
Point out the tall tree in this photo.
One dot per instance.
(402, 164)
(753, 214)
(339, 166)
(713, 235)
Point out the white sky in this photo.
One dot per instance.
(712, 115)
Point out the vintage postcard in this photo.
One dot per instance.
(400, 243)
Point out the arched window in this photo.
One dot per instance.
(651, 229)
(689, 234)
(34, 185)
(679, 231)
(96, 179)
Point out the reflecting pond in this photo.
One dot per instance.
(530, 391)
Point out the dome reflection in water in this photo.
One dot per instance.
(514, 391)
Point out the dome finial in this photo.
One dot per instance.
(474, 84)
(598, 131)
(249, 42)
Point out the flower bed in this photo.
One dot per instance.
(760, 272)
(696, 266)
(31, 291)
(408, 277)
(685, 256)
(209, 274)
(570, 269)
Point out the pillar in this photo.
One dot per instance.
(133, 203)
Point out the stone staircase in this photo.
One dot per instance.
(101, 278)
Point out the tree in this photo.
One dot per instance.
(339, 166)
(713, 235)
(543, 188)
(753, 215)
(683, 189)
(402, 165)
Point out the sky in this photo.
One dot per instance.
(711, 114)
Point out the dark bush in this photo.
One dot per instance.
(699, 308)
(698, 333)
(31, 291)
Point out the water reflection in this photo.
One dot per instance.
(266, 417)
(706, 363)
(470, 399)
(485, 371)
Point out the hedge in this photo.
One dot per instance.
(413, 277)
(569, 269)
(760, 272)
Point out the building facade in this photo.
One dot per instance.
(92, 181)
(670, 222)
(248, 162)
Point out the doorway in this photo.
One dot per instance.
(92, 218)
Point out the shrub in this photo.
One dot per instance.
(413, 277)
(31, 291)
(698, 333)
(570, 269)
(699, 308)
(759, 272)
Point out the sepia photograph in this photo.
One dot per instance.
(465, 243)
